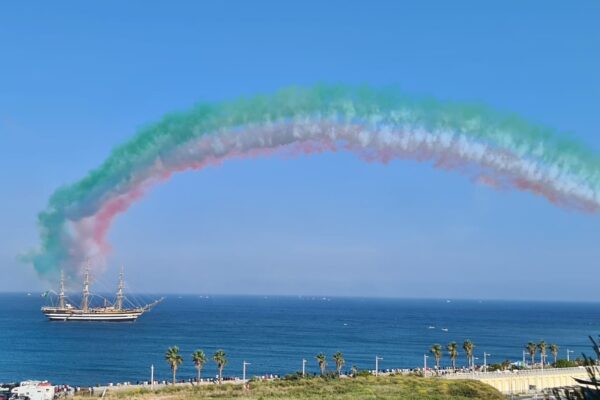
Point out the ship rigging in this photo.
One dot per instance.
(64, 311)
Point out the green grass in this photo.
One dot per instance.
(388, 387)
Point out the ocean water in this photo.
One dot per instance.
(274, 334)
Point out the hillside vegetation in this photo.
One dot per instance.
(383, 387)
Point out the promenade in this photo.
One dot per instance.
(507, 382)
(525, 381)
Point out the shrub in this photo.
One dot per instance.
(495, 367)
(565, 364)
(296, 376)
(329, 375)
(505, 365)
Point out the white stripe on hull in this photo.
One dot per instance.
(93, 316)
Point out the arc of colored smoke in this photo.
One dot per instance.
(492, 148)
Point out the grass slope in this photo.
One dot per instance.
(388, 387)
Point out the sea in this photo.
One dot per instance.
(274, 335)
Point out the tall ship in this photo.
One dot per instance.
(65, 311)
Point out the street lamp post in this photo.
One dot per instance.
(485, 356)
(152, 377)
(569, 352)
(303, 367)
(473, 358)
(377, 359)
(524, 354)
(425, 357)
(542, 356)
(245, 364)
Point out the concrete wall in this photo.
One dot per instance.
(526, 381)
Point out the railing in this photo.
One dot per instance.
(519, 373)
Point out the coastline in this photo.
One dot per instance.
(275, 334)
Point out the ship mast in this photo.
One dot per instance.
(119, 302)
(86, 290)
(61, 295)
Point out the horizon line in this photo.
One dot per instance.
(329, 297)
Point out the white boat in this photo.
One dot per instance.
(65, 311)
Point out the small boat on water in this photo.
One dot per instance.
(64, 311)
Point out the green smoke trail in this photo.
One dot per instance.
(64, 246)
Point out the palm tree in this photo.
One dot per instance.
(468, 347)
(436, 350)
(339, 362)
(174, 360)
(221, 359)
(531, 349)
(322, 362)
(199, 359)
(542, 346)
(453, 351)
(554, 350)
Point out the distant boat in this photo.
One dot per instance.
(431, 327)
(64, 311)
(445, 329)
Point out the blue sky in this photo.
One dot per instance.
(78, 78)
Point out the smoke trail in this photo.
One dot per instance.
(492, 148)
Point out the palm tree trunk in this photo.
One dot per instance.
(220, 375)
(174, 375)
(198, 376)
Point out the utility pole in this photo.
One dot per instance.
(303, 367)
(152, 377)
(377, 359)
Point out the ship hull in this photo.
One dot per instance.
(78, 315)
